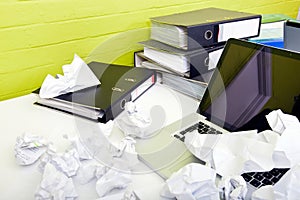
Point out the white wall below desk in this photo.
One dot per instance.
(19, 115)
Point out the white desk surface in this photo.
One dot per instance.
(19, 115)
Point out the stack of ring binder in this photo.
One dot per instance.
(188, 45)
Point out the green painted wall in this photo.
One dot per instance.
(39, 36)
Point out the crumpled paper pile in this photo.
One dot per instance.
(248, 151)
(59, 169)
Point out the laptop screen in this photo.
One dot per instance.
(249, 79)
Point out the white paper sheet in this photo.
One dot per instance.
(233, 188)
(135, 121)
(125, 194)
(29, 148)
(193, 181)
(90, 170)
(79, 147)
(281, 122)
(285, 189)
(77, 76)
(248, 151)
(264, 193)
(67, 162)
(55, 185)
(287, 150)
(288, 186)
(234, 153)
(106, 128)
(112, 180)
(125, 155)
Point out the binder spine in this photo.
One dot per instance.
(202, 36)
(218, 33)
(143, 87)
(199, 64)
(119, 105)
(115, 109)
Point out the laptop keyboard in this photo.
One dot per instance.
(259, 179)
(200, 126)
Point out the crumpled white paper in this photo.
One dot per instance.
(126, 145)
(233, 153)
(67, 162)
(89, 171)
(125, 194)
(125, 154)
(233, 188)
(77, 144)
(281, 122)
(106, 128)
(86, 173)
(287, 150)
(247, 151)
(55, 185)
(193, 181)
(59, 168)
(134, 122)
(77, 76)
(264, 193)
(29, 148)
(286, 188)
(111, 180)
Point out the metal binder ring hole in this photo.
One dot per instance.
(208, 34)
(122, 103)
(206, 61)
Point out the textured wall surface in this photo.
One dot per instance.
(39, 36)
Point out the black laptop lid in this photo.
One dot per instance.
(249, 79)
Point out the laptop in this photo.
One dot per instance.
(291, 32)
(250, 79)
